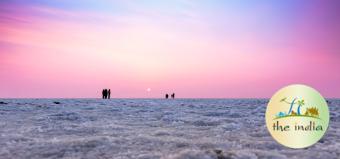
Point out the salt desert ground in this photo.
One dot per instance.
(149, 129)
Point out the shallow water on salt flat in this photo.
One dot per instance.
(148, 129)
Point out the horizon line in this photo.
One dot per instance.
(156, 98)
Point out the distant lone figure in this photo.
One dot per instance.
(166, 96)
(109, 94)
(173, 95)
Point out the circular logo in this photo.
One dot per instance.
(297, 116)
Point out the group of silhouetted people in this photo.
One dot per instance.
(172, 96)
(106, 93)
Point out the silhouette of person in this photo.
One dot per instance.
(109, 94)
(173, 95)
(103, 93)
(166, 96)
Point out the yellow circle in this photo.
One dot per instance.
(297, 116)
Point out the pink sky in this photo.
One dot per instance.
(196, 49)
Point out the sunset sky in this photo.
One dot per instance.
(146, 48)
